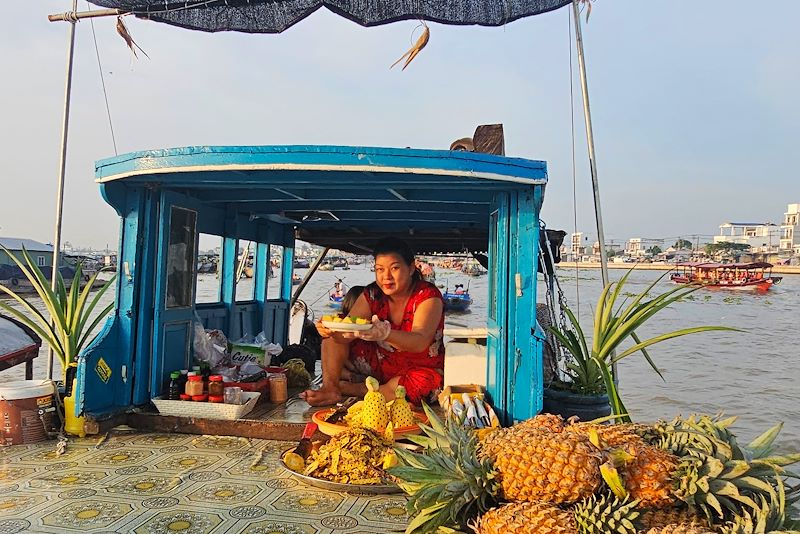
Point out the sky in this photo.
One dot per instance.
(695, 106)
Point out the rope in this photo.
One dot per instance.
(574, 171)
(103, 82)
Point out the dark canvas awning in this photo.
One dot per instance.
(275, 16)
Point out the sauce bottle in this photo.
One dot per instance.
(174, 390)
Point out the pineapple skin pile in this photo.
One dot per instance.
(549, 476)
(355, 456)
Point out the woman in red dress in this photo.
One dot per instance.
(403, 347)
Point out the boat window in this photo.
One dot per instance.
(181, 258)
(493, 221)
(209, 249)
(274, 282)
(245, 271)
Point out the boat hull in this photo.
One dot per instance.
(456, 302)
(752, 285)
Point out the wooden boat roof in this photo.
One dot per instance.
(711, 266)
(338, 196)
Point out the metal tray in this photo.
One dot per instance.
(363, 489)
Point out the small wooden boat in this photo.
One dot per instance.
(755, 276)
(336, 294)
(458, 300)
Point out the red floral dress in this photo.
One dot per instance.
(420, 372)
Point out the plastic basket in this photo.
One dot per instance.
(207, 410)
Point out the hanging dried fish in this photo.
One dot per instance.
(123, 32)
(588, 4)
(418, 46)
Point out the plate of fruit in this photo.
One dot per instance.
(345, 324)
(392, 419)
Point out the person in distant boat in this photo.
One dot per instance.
(403, 347)
(459, 289)
(338, 288)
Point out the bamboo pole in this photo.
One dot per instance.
(62, 168)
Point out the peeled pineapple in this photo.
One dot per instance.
(374, 414)
(401, 414)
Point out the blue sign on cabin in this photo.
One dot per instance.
(342, 197)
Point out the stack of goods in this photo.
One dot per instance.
(546, 476)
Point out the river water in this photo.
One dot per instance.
(752, 374)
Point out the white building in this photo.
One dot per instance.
(790, 230)
(762, 237)
(633, 247)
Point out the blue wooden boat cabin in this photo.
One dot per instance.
(342, 197)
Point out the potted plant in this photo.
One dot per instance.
(66, 322)
(589, 375)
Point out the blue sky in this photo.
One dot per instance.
(696, 113)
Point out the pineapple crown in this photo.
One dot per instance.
(400, 392)
(606, 514)
(447, 484)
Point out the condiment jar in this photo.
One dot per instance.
(215, 386)
(278, 388)
(194, 385)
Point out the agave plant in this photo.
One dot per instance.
(70, 319)
(614, 323)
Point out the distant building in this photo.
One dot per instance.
(41, 253)
(633, 247)
(790, 230)
(760, 236)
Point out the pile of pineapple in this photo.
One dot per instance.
(550, 476)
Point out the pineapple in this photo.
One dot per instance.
(648, 476)
(679, 528)
(592, 516)
(525, 518)
(659, 518)
(548, 421)
(541, 466)
(401, 414)
(374, 414)
(609, 435)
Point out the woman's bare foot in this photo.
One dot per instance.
(353, 389)
(324, 396)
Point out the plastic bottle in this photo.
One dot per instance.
(194, 387)
(216, 387)
(174, 390)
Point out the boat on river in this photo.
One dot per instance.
(756, 276)
(457, 300)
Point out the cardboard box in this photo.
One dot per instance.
(456, 391)
(246, 352)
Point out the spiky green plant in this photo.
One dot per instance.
(440, 495)
(69, 320)
(719, 478)
(614, 323)
(606, 514)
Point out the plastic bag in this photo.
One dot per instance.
(209, 347)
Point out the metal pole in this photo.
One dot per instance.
(309, 274)
(587, 116)
(62, 168)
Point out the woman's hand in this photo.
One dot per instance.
(323, 330)
(379, 332)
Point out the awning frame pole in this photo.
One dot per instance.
(309, 274)
(587, 117)
(62, 168)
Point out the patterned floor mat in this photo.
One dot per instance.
(176, 483)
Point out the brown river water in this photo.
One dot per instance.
(752, 374)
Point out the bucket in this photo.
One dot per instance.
(26, 411)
